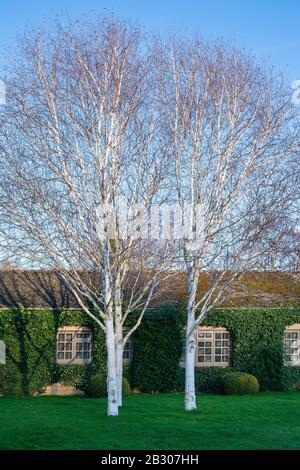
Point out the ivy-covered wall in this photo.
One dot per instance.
(30, 339)
(257, 348)
(257, 343)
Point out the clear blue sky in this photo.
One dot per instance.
(270, 28)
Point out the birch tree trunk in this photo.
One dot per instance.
(112, 393)
(119, 367)
(119, 337)
(190, 394)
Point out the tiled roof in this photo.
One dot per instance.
(44, 289)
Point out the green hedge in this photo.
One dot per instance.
(210, 379)
(157, 349)
(257, 348)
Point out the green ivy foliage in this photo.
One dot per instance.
(157, 349)
(30, 338)
(97, 386)
(257, 343)
(210, 379)
(257, 349)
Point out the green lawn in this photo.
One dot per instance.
(264, 421)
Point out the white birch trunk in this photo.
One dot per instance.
(190, 394)
(112, 393)
(119, 366)
(119, 337)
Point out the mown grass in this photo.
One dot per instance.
(152, 422)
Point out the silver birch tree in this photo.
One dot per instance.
(229, 126)
(77, 138)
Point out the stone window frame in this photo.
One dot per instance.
(210, 346)
(291, 345)
(74, 346)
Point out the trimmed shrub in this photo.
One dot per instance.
(125, 388)
(240, 383)
(97, 386)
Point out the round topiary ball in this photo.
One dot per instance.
(126, 388)
(240, 383)
(97, 386)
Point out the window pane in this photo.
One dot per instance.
(65, 345)
(213, 347)
(292, 347)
